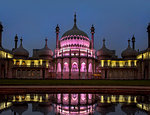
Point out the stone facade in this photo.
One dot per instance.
(74, 58)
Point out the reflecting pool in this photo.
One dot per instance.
(74, 104)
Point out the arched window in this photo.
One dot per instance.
(126, 64)
(132, 63)
(105, 64)
(66, 67)
(90, 68)
(83, 67)
(59, 67)
(74, 66)
(117, 64)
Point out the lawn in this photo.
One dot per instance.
(76, 82)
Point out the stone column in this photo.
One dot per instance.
(79, 65)
(1, 70)
(143, 77)
(149, 70)
(87, 64)
(41, 75)
(87, 98)
(93, 64)
(6, 69)
(62, 65)
(69, 102)
(70, 64)
(62, 68)
(56, 65)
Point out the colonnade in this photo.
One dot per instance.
(75, 59)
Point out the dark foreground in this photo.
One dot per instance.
(74, 104)
(132, 90)
(76, 82)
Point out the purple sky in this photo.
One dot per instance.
(116, 20)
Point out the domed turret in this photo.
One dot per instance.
(20, 52)
(45, 53)
(129, 53)
(75, 30)
(104, 53)
(75, 37)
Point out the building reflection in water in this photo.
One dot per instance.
(73, 104)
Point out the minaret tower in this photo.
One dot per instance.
(57, 36)
(1, 30)
(16, 41)
(133, 42)
(92, 37)
(148, 30)
(75, 20)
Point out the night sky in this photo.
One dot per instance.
(114, 20)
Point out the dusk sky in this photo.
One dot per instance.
(114, 20)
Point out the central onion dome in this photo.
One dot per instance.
(75, 37)
(20, 52)
(129, 53)
(45, 52)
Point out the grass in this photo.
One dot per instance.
(76, 82)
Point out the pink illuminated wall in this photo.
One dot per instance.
(67, 104)
(90, 67)
(83, 67)
(66, 67)
(73, 40)
(74, 66)
(59, 67)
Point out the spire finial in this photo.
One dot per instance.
(21, 41)
(75, 18)
(46, 41)
(133, 38)
(92, 29)
(104, 42)
(57, 28)
(16, 37)
(129, 43)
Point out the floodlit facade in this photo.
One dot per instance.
(74, 58)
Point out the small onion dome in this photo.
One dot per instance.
(129, 53)
(104, 53)
(20, 52)
(45, 52)
(75, 30)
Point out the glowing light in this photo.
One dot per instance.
(4, 54)
(145, 55)
(102, 99)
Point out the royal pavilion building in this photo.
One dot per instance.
(74, 58)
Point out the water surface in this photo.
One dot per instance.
(74, 104)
